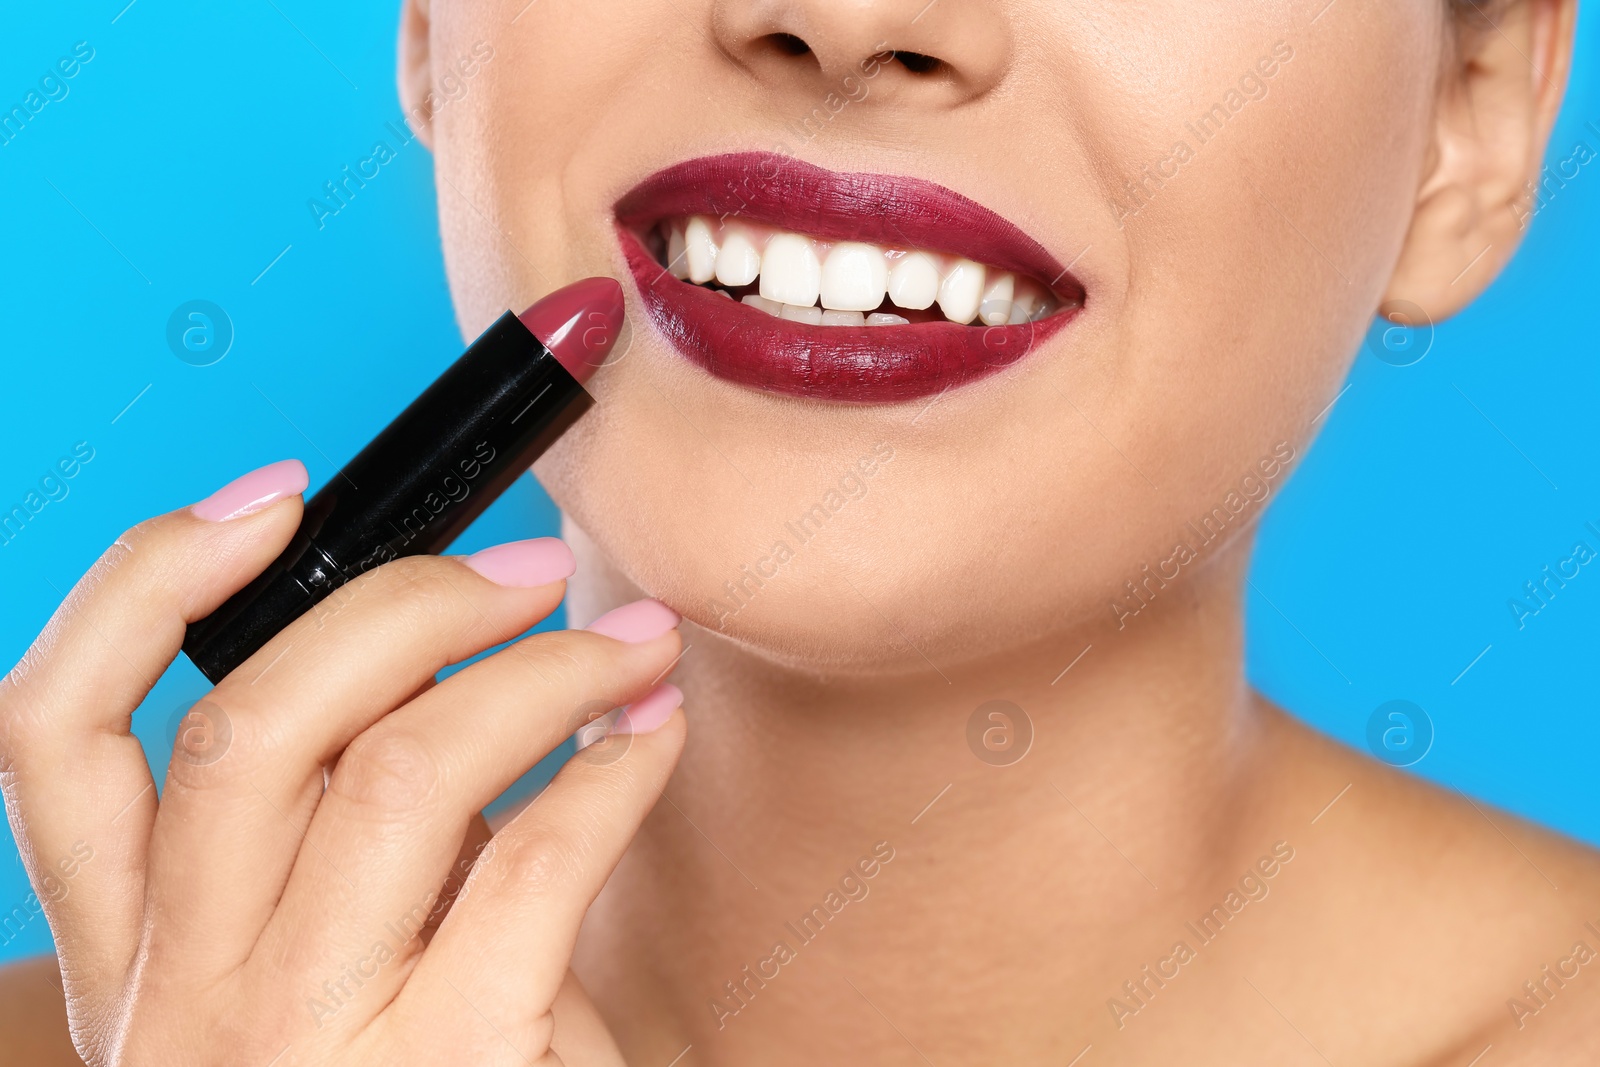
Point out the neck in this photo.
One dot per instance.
(1015, 811)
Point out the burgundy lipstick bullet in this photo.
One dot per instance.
(432, 470)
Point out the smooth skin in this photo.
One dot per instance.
(201, 928)
(1387, 160)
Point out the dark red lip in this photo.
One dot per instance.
(867, 364)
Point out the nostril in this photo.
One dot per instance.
(788, 44)
(917, 63)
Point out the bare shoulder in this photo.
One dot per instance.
(33, 1016)
(1458, 930)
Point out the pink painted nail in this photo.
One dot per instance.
(250, 493)
(636, 623)
(651, 711)
(538, 561)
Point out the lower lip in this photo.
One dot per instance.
(868, 364)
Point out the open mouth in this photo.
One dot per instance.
(787, 277)
(843, 283)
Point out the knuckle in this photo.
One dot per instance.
(542, 864)
(132, 543)
(388, 770)
(610, 783)
(420, 578)
(566, 660)
(31, 684)
(16, 679)
(416, 595)
(214, 747)
(20, 722)
(133, 547)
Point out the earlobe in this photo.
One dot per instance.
(414, 70)
(1495, 110)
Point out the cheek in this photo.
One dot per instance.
(1254, 267)
(539, 131)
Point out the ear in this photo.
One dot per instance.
(1498, 99)
(414, 70)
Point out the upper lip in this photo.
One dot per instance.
(883, 209)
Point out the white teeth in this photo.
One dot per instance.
(701, 249)
(739, 262)
(995, 307)
(914, 281)
(790, 272)
(854, 277)
(677, 254)
(851, 279)
(961, 291)
(1024, 306)
(811, 316)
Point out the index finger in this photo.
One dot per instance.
(78, 791)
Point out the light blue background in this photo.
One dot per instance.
(179, 167)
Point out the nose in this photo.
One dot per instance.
(937, 51)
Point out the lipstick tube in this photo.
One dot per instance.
(432, 470)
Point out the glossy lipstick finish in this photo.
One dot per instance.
(432, 470)
(870, 363)
(578, 324)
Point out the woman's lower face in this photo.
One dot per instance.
(1117, 262)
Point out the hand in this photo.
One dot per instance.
(289, 898)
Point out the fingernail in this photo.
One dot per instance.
(651, 711)
(643, 620)
(252, 492)
(538, 561)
